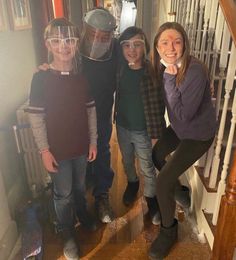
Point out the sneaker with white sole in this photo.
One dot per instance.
(153, 210)
(103, 208)
(70, 250)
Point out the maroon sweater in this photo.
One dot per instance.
(63, 99)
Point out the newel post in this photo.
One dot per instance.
(225, 237)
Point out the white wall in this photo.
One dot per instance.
(160, 10)
(150, 15)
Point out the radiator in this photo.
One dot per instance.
(37, 176)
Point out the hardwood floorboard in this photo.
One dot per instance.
(129, 236)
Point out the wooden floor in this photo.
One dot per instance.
(129, 236)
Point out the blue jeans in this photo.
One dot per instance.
(69, 188)
(100, 169)
(137, 143)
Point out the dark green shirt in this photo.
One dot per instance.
(130, 109)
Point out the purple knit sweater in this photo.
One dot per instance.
(189, 105)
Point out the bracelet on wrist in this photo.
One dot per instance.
(44, 151)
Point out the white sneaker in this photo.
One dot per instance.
(156, 219)
(70, 250)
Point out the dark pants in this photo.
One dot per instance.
(186, 152)
(100, 170)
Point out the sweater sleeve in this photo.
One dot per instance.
(36, 112)
(185, 99)
(92, 122)
(38, 126)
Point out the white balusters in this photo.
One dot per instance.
(214, 7)
(199, 28)
(222, 183)
(183, 18)
(194, 30)
(211, 30)
(186, 23)
(205, 26)
(210, 41)
(216, 49)
(228, 87)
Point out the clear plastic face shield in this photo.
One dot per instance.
(96, 44)
(62, 43)
(133, 50)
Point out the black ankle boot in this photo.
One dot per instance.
(130, 193)
(162, 245)
(182, 196)
(153, 210)
(85, 218)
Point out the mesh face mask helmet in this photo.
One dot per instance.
(98, 32)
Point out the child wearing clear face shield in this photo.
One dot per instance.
(63, 119)
(139, 115)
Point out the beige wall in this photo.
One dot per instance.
(17, 63)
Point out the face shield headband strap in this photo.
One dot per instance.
(133, 43)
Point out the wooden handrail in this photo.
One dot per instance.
(229, 10)
(225, 237)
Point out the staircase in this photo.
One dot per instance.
(211, 29)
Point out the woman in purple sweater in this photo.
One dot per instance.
(187, 97)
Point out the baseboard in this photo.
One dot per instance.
(200, 199)
(15, 196)
(8, 240)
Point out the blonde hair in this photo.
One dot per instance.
(57, 22)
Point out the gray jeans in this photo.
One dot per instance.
(69, 190)
(137, 143)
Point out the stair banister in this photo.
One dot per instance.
(225, 239)
(228, 88)
(229, 10)
(216, 51)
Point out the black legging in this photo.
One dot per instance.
(186, 153)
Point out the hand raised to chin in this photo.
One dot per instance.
(171, 69)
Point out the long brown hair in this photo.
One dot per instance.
(185, 59)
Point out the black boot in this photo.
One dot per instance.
(103, 208)
(153, 210)
(85, 218)
(130, 193)
(162, 245)
(182, 196)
